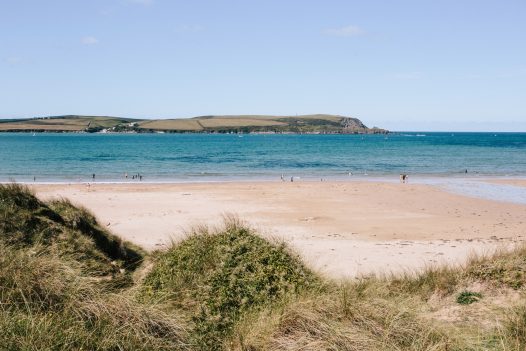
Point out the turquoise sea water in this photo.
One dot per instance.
(53, 157)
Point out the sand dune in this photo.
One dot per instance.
(341, 228)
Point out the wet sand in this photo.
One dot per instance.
(514, 182)
(340, 228)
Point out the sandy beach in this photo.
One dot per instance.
(340, 228)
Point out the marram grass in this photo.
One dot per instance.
(219, 277)
(62, 279)
(66, 283)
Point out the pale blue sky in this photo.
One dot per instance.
(401, 65)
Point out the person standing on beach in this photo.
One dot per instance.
(93, 176)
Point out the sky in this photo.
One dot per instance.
(401, 65)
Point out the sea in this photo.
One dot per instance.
(457, 162)
(76, 157)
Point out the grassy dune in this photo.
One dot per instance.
(218, 277)
(68, 284)
(65, 283)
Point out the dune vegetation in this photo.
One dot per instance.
(67, 283)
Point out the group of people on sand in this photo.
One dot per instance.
(283, 178)
(404, 178)
(137, 176)
(134, 176)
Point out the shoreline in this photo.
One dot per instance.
(388, 178)
(503, 189)
(341, 228)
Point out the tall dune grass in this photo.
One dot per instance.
(62, 279)
(66, 283)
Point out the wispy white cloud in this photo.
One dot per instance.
(347, 31)
(89, 40)
(408, 75)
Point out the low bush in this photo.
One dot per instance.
(221, 276)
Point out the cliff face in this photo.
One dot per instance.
(354, 125)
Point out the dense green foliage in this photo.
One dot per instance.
(220, 277)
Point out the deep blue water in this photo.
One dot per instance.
(195, 157)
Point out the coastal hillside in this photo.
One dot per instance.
(66, 283)
(318, 123)
(70, 123)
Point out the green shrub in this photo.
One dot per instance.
(468, 297)
(219, 277)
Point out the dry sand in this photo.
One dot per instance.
(341, 228)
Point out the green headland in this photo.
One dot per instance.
(318, 123)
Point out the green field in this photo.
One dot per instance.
(171, 124)
(62, 123)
